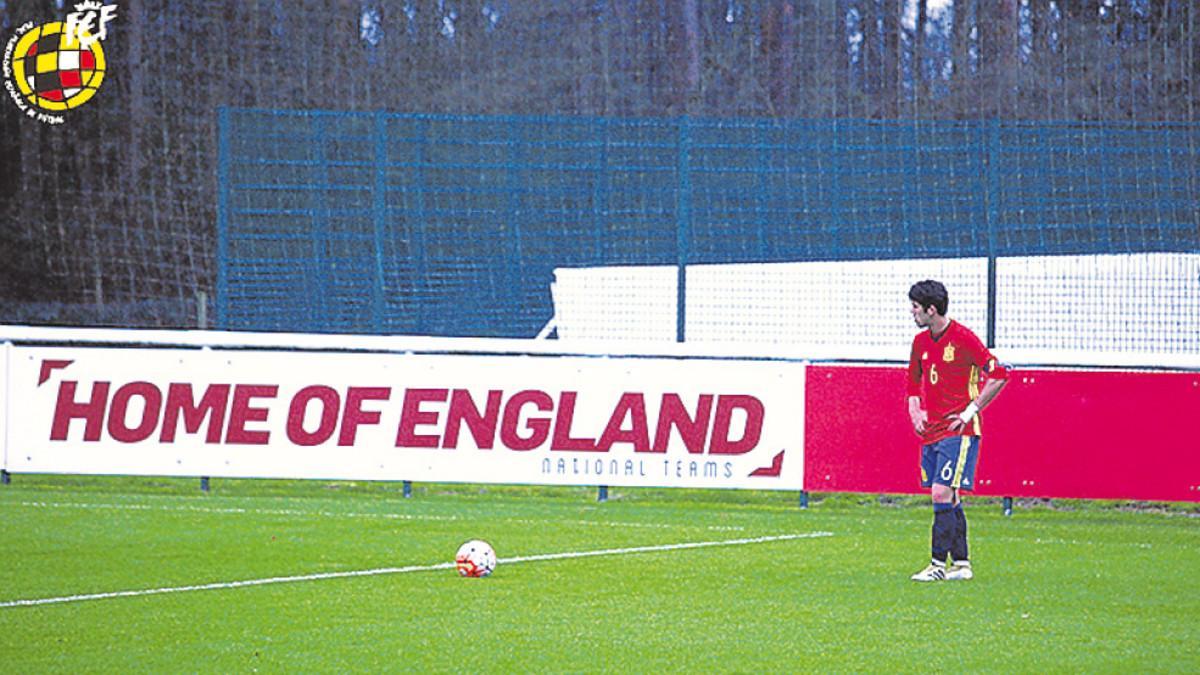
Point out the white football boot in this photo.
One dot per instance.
(960, 571)
(934, 572)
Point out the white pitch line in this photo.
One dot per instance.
(224, 584)
(664, 547)
(402, 570)
(233, 510)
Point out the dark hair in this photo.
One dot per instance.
(930, 293)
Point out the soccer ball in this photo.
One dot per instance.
(475, 559)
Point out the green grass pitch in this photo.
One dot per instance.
(1083, 589)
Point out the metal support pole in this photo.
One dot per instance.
(224, 158)
(602, 494)
(407, 489)
(683, 226)
(202, 310)
(1008, 506)
(992, 219)
(379, 220)
(804, 499)
(204, 483)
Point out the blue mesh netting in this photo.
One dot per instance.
(452, 225)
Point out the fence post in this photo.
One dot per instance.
(318, 281)
(993, 217)
(223, 177)
(379, 219)
(600, 194)
(514, 249)
(761, 189)
(683, 225)
(201, 310)
(837, 208)
(417, 226)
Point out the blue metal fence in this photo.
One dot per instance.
(452, 224)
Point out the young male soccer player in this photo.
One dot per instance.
(944, 402)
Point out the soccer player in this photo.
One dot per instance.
(944, 401)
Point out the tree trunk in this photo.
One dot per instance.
(891, 73)
(919, 65)
(962, 71)
(691, 54)
(998, 31)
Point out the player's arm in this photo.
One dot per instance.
(997, 378)
(915, 412)
(990, 390)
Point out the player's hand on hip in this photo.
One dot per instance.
(961, 419)
(956, 421)
(919, 420)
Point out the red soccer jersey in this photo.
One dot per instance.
(945, 372)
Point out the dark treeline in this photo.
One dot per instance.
(118, 205)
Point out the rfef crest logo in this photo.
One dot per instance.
(60, 65)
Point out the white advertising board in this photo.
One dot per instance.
(5, 427)
(531, 419)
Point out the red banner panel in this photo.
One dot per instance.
(1051, 433)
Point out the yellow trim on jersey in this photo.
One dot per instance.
(964, 446)
(973, 390)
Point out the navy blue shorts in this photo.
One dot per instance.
(951, 462)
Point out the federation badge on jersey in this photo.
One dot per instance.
(948, 354)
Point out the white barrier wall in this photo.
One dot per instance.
(616, 303)
(5, 418)
(853, 310)
(1134, 303)
(484, 418)
(860, 307)
(1129, 310)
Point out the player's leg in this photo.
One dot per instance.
(945, 524)
(963, 479)
(936, 478)
(958, 548)
(959, 551)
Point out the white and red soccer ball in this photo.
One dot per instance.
(476, 558)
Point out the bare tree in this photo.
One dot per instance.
(123, 209)
(962, 63)
(891, 75)
(998, 28)
(920, 75)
